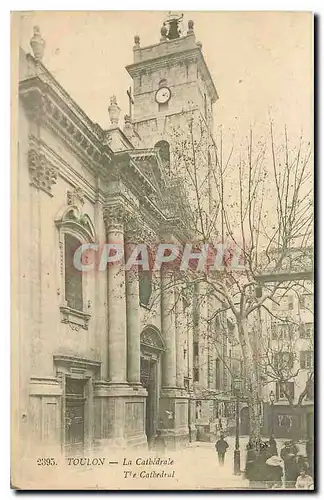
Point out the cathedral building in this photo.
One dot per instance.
(104, 359)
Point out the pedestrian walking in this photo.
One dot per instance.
(221, 447)
(251, 455)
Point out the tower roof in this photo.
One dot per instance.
(173, 48)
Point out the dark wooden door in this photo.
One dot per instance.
(74, 426)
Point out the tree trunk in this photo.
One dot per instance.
(251, 379)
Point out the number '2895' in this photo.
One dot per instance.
(46, 461)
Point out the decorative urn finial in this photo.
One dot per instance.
(164, 32)
(190, 27)
(136, 42)
(199, 44)
(37, 44)
(113, 110)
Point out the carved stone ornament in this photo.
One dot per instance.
(164, 32)
(134, 230)
(190, 27)
(136, 42)
(75, 197)
(152, 339)
(37, 44)
(114, 111)
(76, 221)
(43, 174)
(75, 319)
(128, 127)
(115, 216)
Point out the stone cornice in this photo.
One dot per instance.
(38, 69)
(129, 163)
(44, 106)
(49, 105)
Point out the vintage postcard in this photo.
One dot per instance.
(162, 251)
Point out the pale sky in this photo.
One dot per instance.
(259, 61)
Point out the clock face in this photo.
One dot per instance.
(163, 95)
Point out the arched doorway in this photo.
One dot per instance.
(152, 347)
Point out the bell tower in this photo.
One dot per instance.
(170, 80)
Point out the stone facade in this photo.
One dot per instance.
(111, 370)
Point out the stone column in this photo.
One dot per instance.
(132, 309)
(180, 327)
(168, 330)
(117, 343)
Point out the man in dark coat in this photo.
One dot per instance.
(289, 456)
(272, 447)
(221, 447)
(251, 456)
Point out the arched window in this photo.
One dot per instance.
(75, 228)
(163, 83)
(164, 150)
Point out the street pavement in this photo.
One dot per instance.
(193, 468)
(201, 463)
(203, 470)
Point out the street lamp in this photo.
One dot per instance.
(272, 398)
(237, 453)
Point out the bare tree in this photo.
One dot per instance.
(256, 201)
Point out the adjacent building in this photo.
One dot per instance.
(287, 350)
